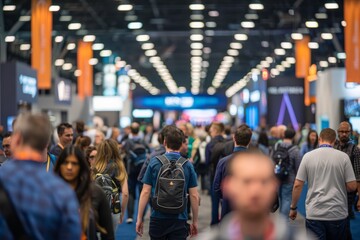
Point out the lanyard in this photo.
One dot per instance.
(48, 163)
(325, 146)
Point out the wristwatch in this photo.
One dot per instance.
(293, 208)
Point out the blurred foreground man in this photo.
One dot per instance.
(35, 204)
(330, 176)
(251, 186)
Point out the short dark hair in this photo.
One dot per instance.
(134, 128)
(328, 135)
(164, 132)
(8, 134)
(61, 128)
(227, 130)
(80, 127)
(263, 139)
(174, 138)
(219, 126)
(243, 135)
(289, 133)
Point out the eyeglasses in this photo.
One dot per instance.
(91, 157)
(6, 146)
(344, 132)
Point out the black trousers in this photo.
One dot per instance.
(168, 229)
(134, 184)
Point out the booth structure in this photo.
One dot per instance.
(18, 91)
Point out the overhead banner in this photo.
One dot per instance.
(85, 79)
(352, 40)
(41, 28)
(303, 57)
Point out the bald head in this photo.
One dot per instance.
(251, 184)
(135, 128)
(344, 132)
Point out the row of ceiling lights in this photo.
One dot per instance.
(290, 60)
(233, 51)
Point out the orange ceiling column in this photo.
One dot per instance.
(41, 28)
(85, 79)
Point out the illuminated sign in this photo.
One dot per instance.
(107, 103)
(63, 91)
(255, 96)
(294, 90)
(180, 102)
(28, 85)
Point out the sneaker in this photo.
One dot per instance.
(129, 221)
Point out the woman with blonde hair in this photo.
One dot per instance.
(108, 161)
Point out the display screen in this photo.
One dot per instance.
(107, 103)
(352, 108)
(355, 122)
(63, 91)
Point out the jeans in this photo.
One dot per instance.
(168, 229)
(328, 230)
(285, 195)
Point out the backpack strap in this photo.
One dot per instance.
(181, 161)
(163, 159)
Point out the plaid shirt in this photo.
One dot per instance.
(46, 206)
(354, 154)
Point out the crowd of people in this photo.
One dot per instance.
(79, 182)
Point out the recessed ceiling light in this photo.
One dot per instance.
(280, 68)
(279, 51)
(54, 8)
(286, 45)
(59, 39)
(196, 45)
(59, 62)
(256, 6)
(196, 24)
(150, 53)
(24, 18)
(74, 26)
(105, 53)
(285, 64)
(97, 46)
(71, 46)
(291, 60)
(211, 24)
(93, 61)
(147, 46)
(296, 36)
(65, 18)
(196, 37)
(343, 23)
(341, 55)
(182, 90)
(311, 24)
(326, 36)
(269, 59)
(324, 64)
(142, 38)
(251, 16)
(9, 38)
(321, 15)
(89, 38)
(196, 52)
(241, 37)
(9, 8)
(229, 59)
(313, 45)
(196, 17)
(332, 59)
(233, 52)
(77, 73)
(275, 72)
(67, 66)
(265, 44)
(247, 24)
(196, 7)
(235, 45)
(331, 5)
(125, 7)
(213, 13)
(211, 91)
(135, 25)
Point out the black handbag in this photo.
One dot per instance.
(7, 209)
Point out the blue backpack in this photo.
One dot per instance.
(137, 152)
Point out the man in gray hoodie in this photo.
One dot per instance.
(251, 187)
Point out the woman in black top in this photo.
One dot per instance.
(94, 208)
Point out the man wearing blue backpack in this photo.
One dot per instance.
(287, 160)
(136, 153)
(167, 181)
